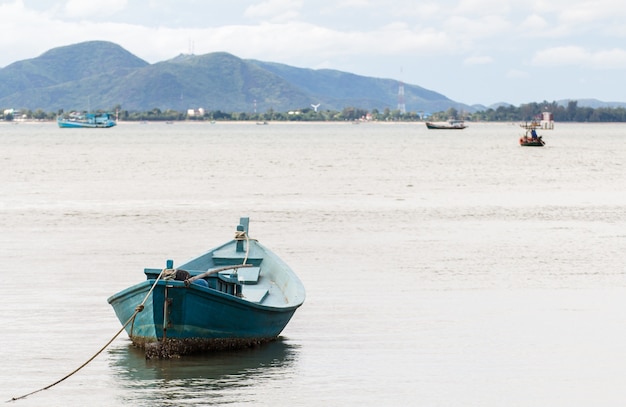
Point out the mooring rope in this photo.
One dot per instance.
(138, 309)
(241, 235)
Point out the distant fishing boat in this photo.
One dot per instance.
(235, 295)
(449, 125)
(530, 138)
(87, 120)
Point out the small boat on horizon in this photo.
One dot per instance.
(86, 120)
(449, 125)
(530, 138)
(236, 295)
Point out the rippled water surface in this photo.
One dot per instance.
(447, 268)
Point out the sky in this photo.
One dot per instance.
(472, 51)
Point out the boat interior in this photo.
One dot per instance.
(242, 268)
(243, 282)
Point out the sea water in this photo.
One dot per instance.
(442, 268)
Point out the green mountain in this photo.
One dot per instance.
(101, 75)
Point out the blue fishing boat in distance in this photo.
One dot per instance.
(236, 295)
(87, 120)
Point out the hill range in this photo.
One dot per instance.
(101, 75)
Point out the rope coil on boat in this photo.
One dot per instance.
(169, 274)
(138, 309)
(213, 271)
(242, 235)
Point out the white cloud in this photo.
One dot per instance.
(93, 9)
(24, 33)
(435, 41)
(534, 23)
(578, 56)
(275, 10)
(583, 12)
(558, 56)
(610, 59)
(516, 74)
(478, 60)
(352, 4)
(296, 43)
(492, 7)
(469, 30)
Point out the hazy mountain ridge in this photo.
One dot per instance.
(101, 75)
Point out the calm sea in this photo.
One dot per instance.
(442, 268)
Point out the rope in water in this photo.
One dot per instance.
(166, 274)
(138, 309)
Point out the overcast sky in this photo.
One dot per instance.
(472, 51)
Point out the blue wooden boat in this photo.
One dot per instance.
(236, 295)
(88, 120)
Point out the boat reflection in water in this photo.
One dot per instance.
(202, 378)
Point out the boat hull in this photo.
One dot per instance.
(196, 318)
(434, 126)
(77, 125)
(88, 121)
(531, 143)
(235, 295)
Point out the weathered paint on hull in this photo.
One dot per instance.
(196, 318)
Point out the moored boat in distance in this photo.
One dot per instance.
(526, 141)
(86, 120)
(530, 138)
(236, 295)
(449, 125)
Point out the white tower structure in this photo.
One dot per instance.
(401, 105)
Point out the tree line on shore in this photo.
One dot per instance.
(505, 113)
(568, 113)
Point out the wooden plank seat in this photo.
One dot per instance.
(254, 293)
(248, 275)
